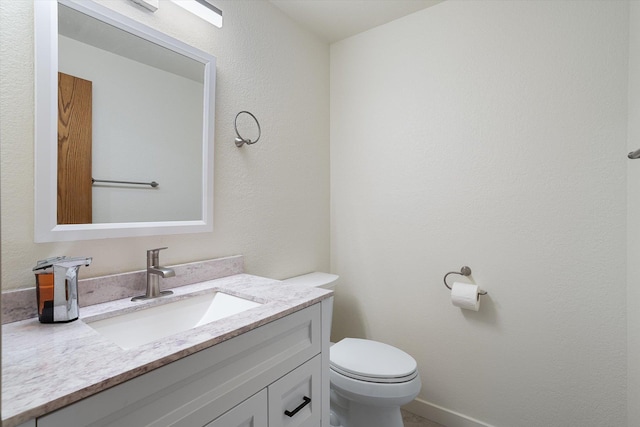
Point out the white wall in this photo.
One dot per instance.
(271, 199)
(490, 134)
(154, 135)
(633, 221)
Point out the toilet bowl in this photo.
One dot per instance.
(369, 380)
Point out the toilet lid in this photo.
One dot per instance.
(372, 361)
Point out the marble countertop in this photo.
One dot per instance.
(48, 366)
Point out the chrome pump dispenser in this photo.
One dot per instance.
(57, 288)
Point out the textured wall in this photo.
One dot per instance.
(490, 134)
(633, 220)
(271, 199)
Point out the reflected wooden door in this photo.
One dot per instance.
(74, 150)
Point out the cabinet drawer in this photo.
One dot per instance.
(250, 413)
(295, 400)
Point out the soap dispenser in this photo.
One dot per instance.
(57, 288)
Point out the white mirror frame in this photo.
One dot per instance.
(46, 129)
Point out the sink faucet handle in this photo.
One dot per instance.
(157, 249)
(153, 256)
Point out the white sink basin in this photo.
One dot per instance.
(151, 324)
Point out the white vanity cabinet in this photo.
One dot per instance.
(249, 381)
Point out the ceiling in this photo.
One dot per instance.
(335, 20)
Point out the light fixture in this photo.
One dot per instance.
(204, 9)
(151, 5)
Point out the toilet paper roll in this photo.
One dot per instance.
(465, 295)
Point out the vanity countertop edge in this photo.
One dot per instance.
(48, 366)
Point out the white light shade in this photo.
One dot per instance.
(203, 9)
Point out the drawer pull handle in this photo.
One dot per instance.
(302, 405)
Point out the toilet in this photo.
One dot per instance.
(369, 380)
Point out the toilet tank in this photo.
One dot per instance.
(319, 280)
(316, 279)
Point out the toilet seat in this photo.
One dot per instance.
(372, 361)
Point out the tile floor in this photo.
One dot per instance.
(411, 420)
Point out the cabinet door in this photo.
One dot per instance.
(295, 400)
(250, 413)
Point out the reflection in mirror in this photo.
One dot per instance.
(132, 105)
(146, 119)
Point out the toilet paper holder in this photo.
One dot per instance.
(464, 271)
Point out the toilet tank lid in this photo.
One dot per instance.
(316, 279)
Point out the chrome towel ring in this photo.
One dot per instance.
(240, 141)
(464, 271)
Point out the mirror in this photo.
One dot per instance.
(124, 127)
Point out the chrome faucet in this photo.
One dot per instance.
(154, 271)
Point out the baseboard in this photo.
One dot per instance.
(446, 417)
